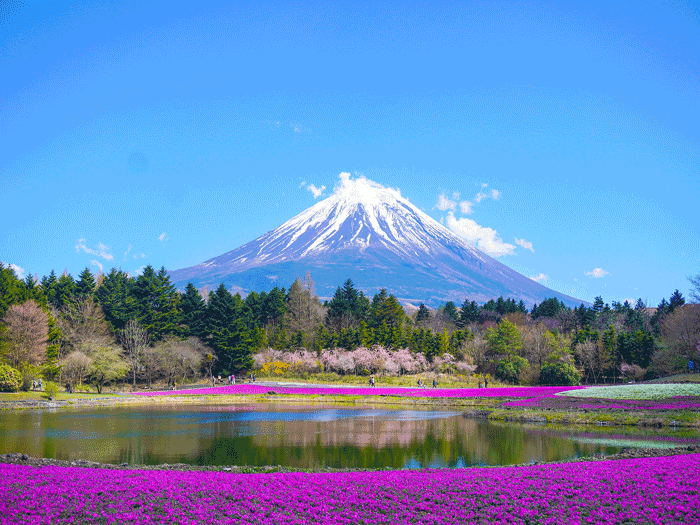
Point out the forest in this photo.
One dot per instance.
(106, 328)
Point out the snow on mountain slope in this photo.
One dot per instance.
(375, 236)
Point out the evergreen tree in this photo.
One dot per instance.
(48, 284)
(156, 300)
(32, 290)
(117, 298)
(85, 286)
(598, 304)
(274, 306)
(192, 309)
(65, 290)
(12, 290)
(469, 313)
(423, 313)
(548, 308)
(675, 301)
(451, 311)
(347, 308)
(504, 340)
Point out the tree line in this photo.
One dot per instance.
(107, 327)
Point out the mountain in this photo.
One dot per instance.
(377, 238)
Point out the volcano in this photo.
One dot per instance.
(374, 236)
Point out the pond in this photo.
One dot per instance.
(307, 437)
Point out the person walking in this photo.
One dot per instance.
(486, 383)
(434, 383)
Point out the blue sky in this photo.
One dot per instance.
(562, 138)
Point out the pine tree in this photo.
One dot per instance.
(676, 300)
(156, 300)
(48, 284)
(598, 304)
(85, 286)
(451, 311)
(65, 290)
(192, 309)
(423, 313)
(117, 298)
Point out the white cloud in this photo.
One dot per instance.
(455, 195)
(445, 203)
(630, 300)
(316, 192)
(140, 270)
(127, 251)
(541, 278)
(162, 237)
(525, 244)
(466, 207)
(19, 271)
(483, 184)
(101, 250)
(97, 263)
(493, 194)
(484, 238)
(597, 273)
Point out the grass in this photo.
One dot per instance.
(678, 378)
(37, 395)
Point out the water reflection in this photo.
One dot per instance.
(306, 437)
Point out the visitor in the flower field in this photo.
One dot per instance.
(486, 383)
(434, 383)
(480, 384)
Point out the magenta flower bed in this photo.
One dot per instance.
(639, 491)
(534, 392)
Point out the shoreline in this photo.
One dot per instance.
(489, 408)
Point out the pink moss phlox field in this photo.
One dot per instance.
(640, 491)
(252, 389)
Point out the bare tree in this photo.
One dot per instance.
(74, 367)
(151, 364)
(588, 354)
(681, 330)
(535, 344)
(26, 334)
(134, 339)
(176, 357)
(80, 322)
(695, 292)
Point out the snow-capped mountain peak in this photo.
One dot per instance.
(374, 235)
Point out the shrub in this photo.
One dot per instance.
(10, 379)
(512, 368)
(50, 390)
(559, 374)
